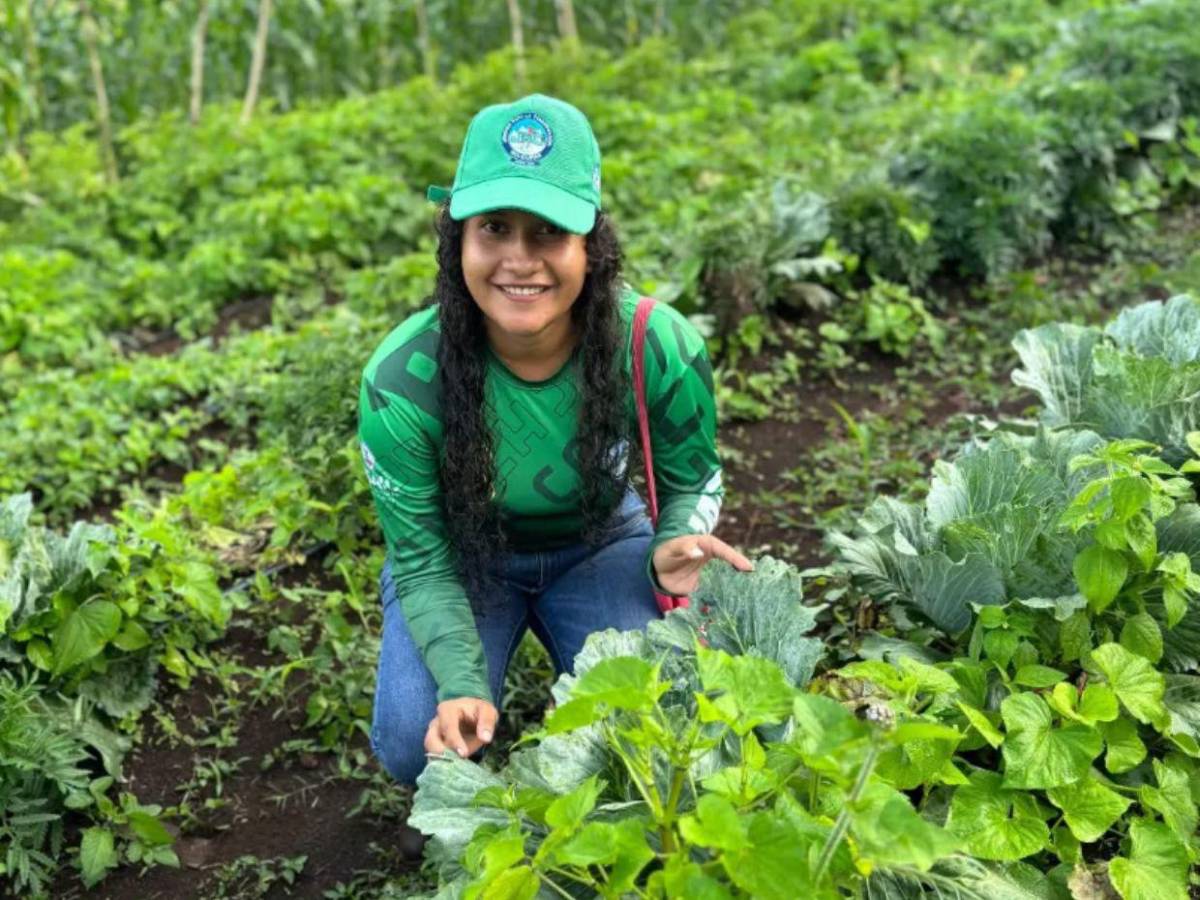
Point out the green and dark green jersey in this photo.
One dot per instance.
(538, 489)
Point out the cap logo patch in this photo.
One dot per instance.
(527, 139)
(596, 177)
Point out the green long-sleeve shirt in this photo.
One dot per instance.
(534, 423)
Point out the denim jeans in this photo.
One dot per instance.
(563, 595)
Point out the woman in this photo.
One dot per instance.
(495, 426)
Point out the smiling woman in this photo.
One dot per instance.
(496, 426)
(525, 274)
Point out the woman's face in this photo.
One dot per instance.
(523, 272)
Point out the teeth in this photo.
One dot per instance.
(522, 291)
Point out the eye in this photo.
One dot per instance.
(492, 226)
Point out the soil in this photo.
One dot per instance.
(247, 314)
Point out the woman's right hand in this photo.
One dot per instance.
(462, 725)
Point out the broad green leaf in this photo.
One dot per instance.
(1129, 494)
(149, 829)
(824, 727)
(569, 810)
(84, 633)
(1037, 754)
(97, 855)
(1100, 573)
(1172, 799)
(1037, 676)
(715, 823)
(929, 679)
(132, 637)
(1058, 367)
(621, 682)
(1075, 637)
(1089, 807)
(1135, 682)
(502, 852)
(1157, 866)
(776, 862)
(1143, 539)
(444, 806)
(761, 612)
(1141, 635)
(888, 830)
(753, 691)
(915, 761)
(1097, 704)
(1000, 646)
(521, 883)
(1125, 749)
(993, 822)
(594, 844)
(682, 878)
(982, 724)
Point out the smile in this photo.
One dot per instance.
(523, 290)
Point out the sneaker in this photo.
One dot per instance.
(411, 843)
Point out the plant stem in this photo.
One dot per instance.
(667, 828)
(843, 820)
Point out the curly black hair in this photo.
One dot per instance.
(468, 470)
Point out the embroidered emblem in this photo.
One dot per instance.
(596, 177)
(527, 139)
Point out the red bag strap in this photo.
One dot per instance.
(640, 317)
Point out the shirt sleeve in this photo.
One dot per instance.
(683, 429)
(401, 461)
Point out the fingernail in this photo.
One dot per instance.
(695, 553)
(485, 735)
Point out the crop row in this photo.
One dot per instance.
(930, 146)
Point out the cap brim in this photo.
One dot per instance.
(551, 203)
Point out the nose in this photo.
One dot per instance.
(521, 256)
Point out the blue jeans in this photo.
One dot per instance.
(563, 595)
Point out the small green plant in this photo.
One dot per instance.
(894, 318)
(252, 878)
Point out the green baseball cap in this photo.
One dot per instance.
(537, 154)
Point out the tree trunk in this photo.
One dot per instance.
(33, 62)
(103, 121)
(423, 41)
(258, 61)
(566, 20)
(518, 40)
(660, 16)
(631, 24)
(198, 36)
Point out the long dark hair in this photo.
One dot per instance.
(468, 468)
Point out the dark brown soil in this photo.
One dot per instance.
(275, 804)
(247, 314)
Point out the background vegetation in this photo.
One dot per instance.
(860, 203)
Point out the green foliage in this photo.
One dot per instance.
(1135, 379)
(989, 177)
(986, 532)
(669, 757)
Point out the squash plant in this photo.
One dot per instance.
(690, 761)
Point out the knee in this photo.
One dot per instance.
(400, 749)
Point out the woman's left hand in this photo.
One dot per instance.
(678, 562)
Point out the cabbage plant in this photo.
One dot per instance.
(1138, 377)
